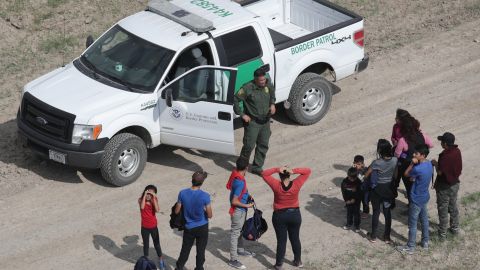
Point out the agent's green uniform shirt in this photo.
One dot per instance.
(256, 100)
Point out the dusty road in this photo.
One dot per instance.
(54, 217)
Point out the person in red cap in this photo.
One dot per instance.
(449, 168)
(240, 201)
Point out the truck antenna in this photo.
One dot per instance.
(64, 39)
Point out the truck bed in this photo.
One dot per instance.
(291, 20)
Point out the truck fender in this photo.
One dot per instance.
(318, 56)
(132, 121)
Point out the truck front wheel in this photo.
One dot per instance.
(310, 99)
(124, 159)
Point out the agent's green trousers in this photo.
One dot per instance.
(256, 135)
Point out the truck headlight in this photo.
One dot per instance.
(85, 132)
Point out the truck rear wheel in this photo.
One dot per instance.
(310, 99)
(124, 159)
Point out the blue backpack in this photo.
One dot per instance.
(254, 227)
(143, 263)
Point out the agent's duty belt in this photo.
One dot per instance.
(260, 120)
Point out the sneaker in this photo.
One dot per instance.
(237, 264)
(246, 253)
(425, 246)
(456, 231)
(356, 230)
(405, 249)
(257, 171)
(298, 264)
(346, 227)
(277, 267)
(387, 240)
(161, 264)
(370, 238)
(364, 215)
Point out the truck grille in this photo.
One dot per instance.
(46, 119)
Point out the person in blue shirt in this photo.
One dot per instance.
(197, 210)
(420, 172)
(240, 200)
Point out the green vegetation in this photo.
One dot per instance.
(471, 199)
(54, 44)
(40, 17)
(55, 3)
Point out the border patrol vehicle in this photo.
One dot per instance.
(168, 74)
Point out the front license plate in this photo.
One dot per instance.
(56, 156)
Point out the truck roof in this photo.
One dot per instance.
(223, 14)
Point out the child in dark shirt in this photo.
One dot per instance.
(359, 164)
(352, 195)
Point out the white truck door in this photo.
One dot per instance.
(196, 110)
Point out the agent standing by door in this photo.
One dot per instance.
(258, 98)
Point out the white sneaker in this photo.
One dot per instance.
(237, 264)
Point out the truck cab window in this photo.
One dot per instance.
(199, 55)
(205, 84)
(239, 47)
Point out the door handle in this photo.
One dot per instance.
(224, 116)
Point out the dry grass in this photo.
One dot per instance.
(457, 252)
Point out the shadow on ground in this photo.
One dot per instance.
(219, 241)
(332, 210)
(130, 250)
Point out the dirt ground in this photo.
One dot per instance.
(425, 57)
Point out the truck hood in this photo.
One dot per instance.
(71, 91)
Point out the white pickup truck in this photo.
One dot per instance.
(167, 75)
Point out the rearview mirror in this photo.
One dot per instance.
(168, 97)
(89, 41)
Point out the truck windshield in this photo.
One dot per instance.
(128, 59)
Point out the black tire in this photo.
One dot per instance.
(119, 151)
(309, 85)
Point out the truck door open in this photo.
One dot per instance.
(196, 110)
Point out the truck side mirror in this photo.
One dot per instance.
(168, 97)
(265, 68)
(89, 41)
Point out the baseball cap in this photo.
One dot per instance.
(447, 138)
(199, 175)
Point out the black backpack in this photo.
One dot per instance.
(143, 263)
(177, 221)
(254, 227)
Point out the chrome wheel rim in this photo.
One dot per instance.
(313, 101)
(128, 162)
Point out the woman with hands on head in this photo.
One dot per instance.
(286, 216)
(148, 207)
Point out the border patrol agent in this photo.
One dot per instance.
(258, 98)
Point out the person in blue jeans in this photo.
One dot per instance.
(197, 210)
(420, 172)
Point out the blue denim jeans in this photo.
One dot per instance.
(415, 212)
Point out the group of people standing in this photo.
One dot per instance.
(195, 205)
(405, 158)
(255, 103)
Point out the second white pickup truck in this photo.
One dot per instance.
(167, 75)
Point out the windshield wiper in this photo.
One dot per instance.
(96, 72)
(90, 66)
(119, 81)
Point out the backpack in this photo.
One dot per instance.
(254, 227)
(177, 221)
(143, 263)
